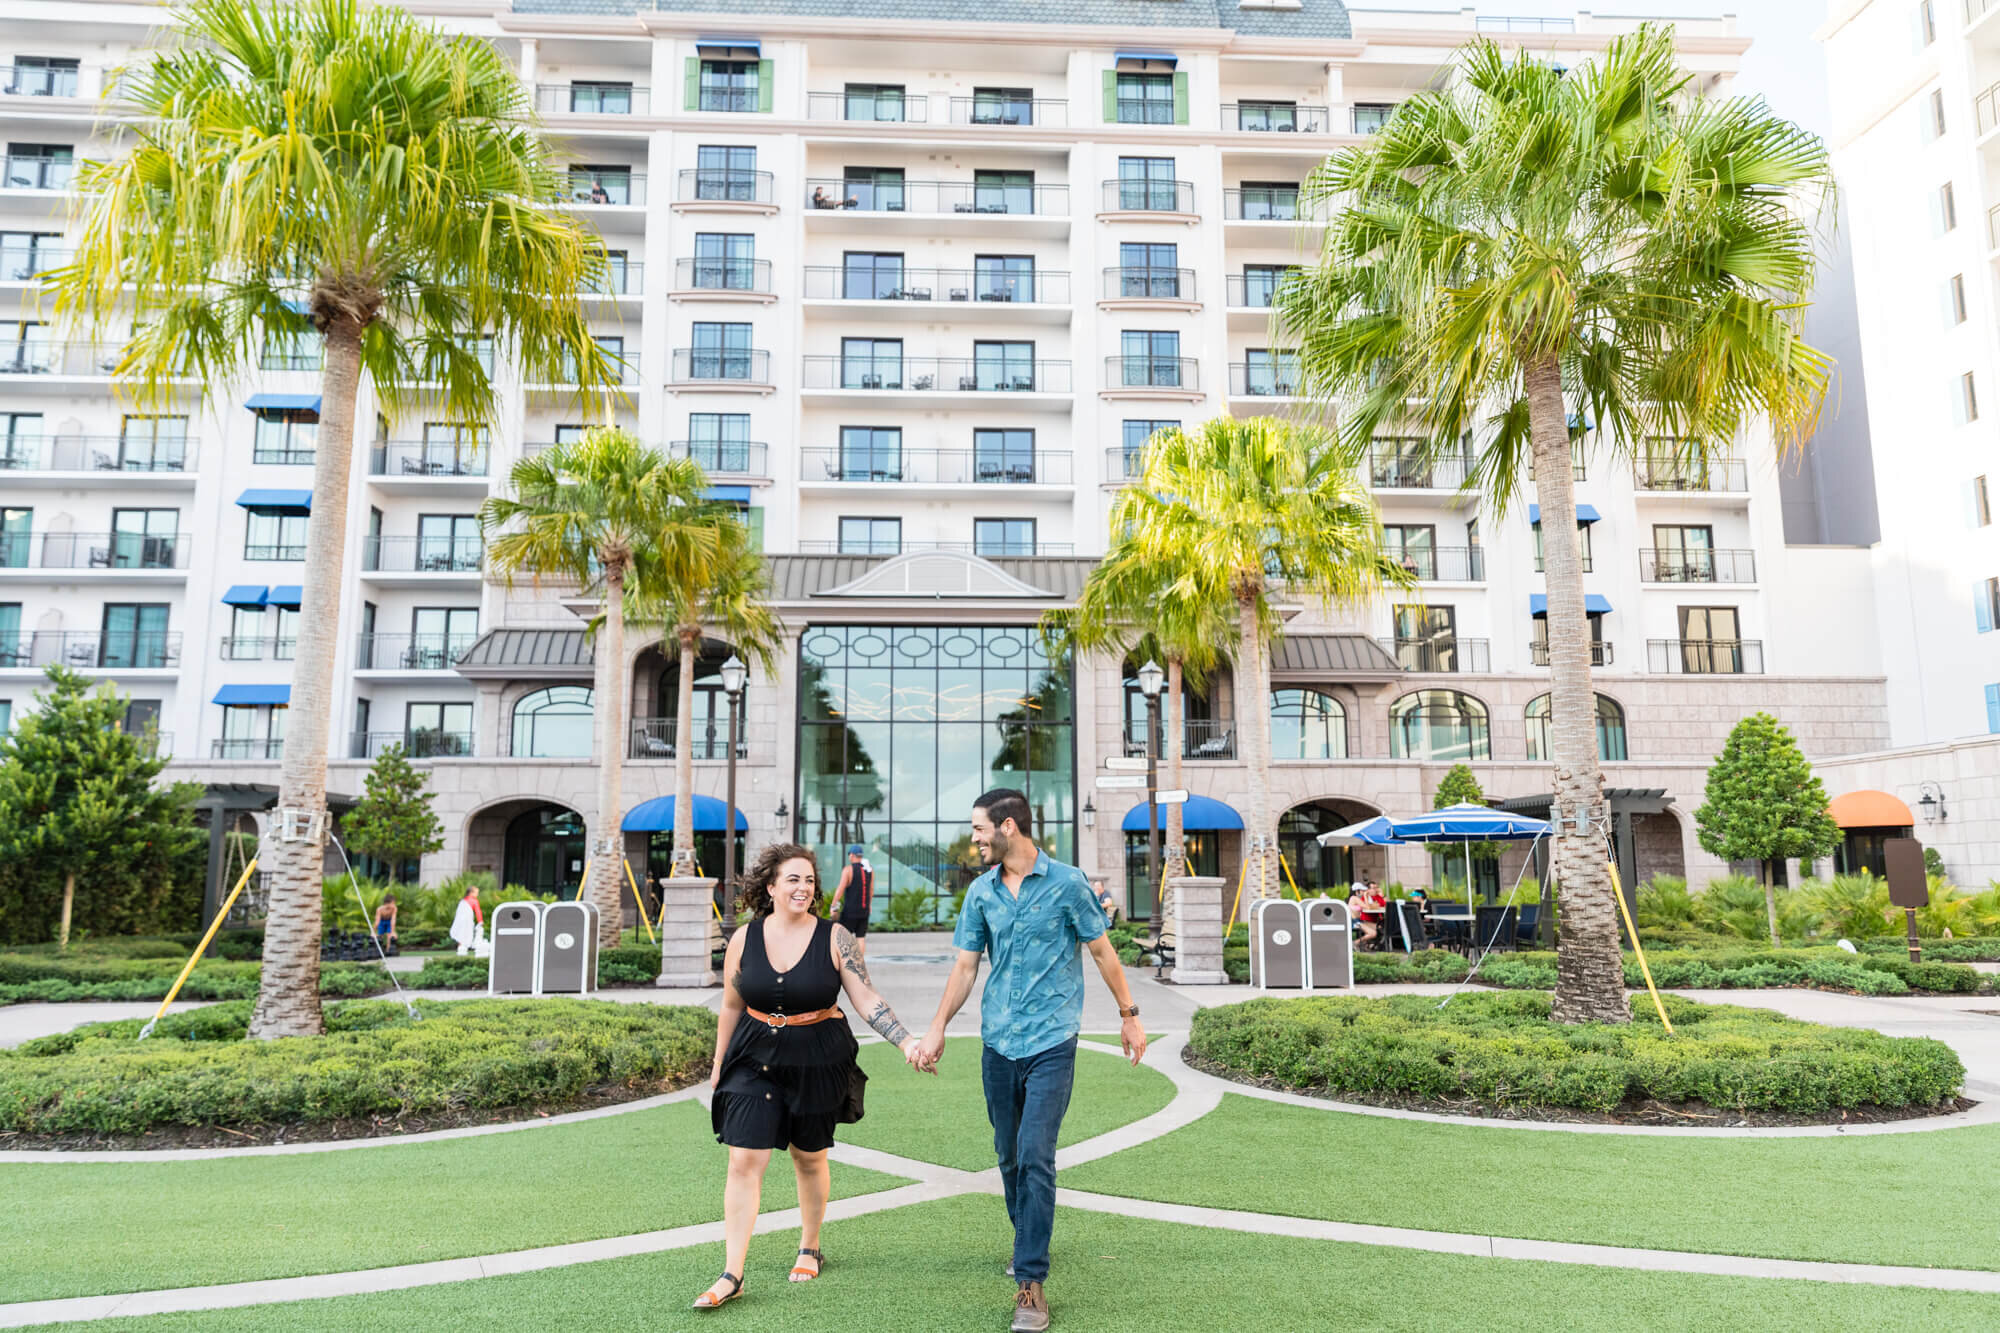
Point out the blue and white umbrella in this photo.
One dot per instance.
(1467, 823)
(1367, 833)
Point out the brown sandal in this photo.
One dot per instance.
(708, 1300)
(803, 1274)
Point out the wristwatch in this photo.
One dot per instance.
(1129, 1011)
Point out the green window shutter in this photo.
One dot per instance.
(763, 85)
(1110, 97)
(754, 519)
(694, 82)
(1180, 98)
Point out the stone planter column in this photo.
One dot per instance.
(1198, 911)
(684, 912)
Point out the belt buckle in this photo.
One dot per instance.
(776, 1021)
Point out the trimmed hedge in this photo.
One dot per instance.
(1751, 969)
(55, 978)
(626, 965)
(196, 1069)
(1502, 1050)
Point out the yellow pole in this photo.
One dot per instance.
(639, 898)
(1241, 876)
(201, 948)
(1618, 892)
(1287, 865)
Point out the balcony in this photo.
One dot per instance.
(270, 551)
(1152, 377)
(410, 652)
(734, 100)
(1276, 118)
(1167, 200)
(622, 368)
(1696, 566)
(980, 288)
(893, 107)
(111, 552)
(1440, 654)
(1706, 657)
(722, 279)
(592, 99)
(1124, 466)
(655, 738)
(22, 263)
(35, 172)
(1141, 284)
(1248, 379)
(104, 457)
(725, 189)
(421, 555)
(248, 749)
(1443, 564)
(826, 195)
(93, 650)
(1252, 291)
(621, 277)
(1009, 111)
(1261, 204)
(737, 368)
(257, 649)
(38, 81)
(422, 743)
(1009, 550)
(1584, 561)
(1401, 472)
(1538, 652)
(430, 459)
(607, 189)
(290, 360)
(1716, 476)
(933, 467)
(1201, 738)
(744, 458)
(927, 374)
(1986, 106)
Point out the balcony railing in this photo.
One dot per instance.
(656, 737)
(1444, 564)
(702, 365)
(607, 188)
(25, 171)
(92, 650)
(430, 458)
(722, 275)
(1253, 291)
(1978, 9)
(1398, 472)
(274, 551)
(902, 108)
(621, 277)
(932, 374)
(284, 452)
(878, 196)
(1261, 205)
(422, 555)
(1600, 652)
(1201, 737)
(410, 652)
(725, 185)
(43, 356)
(894, 547)
(1279, 118)
(1009, 111)
(1986, 108)
(1696, 566)
(1436, 654)
(37, 81)
(592, 99)
(419, 743)
(95, 453)
(92, 550)
(1122, 464)
(248, 749)
(1584, 561)
(748, 458)
(1264, 379)
(827, 283)
(306, 360)
(947, 467)
(1151, 372)
(1145, 283)
(1132, 196)
(237, 648)
(622, 367)
(18, 263)
(1727, 475)
(1706, 657)
(1143, 111)
(729, 99)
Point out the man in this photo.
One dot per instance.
(851, 909)
(1029, 914)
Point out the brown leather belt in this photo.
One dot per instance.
(792, 1020)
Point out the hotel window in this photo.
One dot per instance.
(1955, 299)
(874, 101)
(1944, 210)
(275, 534)
(1146, 99)
(725, 171)
(1967, 402)
(1003, 536)
(1926, 22)
(1986, 604)
(43, 76)
(1982, 508)
(1934, 114)
(433, 729)
(871, 536)
(715, 84)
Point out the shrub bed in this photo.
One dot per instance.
(1501, 1050)
(52, 978)
(1751, 969)
(626, 965)
(374, 1063)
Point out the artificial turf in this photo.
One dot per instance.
(1879, 1198)
(936, 1268)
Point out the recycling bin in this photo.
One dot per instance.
(1278, 944)
(569, 949)
(516, 965)
(1329, 945)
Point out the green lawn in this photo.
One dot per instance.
(1882, 1199)
(936, 1268)
(942, 1118)
(71, 1230)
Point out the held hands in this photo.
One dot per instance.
(1132, 1036)
(929, 1051)
(915, 1055)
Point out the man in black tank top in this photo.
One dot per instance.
(854, 898)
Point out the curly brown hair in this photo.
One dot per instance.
(756, 896)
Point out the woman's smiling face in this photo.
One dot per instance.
(793, 887)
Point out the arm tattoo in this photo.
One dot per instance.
(850, 960)
(886, 1024)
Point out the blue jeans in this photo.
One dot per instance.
(1025, 1101)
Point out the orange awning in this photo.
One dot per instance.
(1870, 809)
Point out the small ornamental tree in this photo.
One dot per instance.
(1763, 803)
(393, 820)
(1460, 787)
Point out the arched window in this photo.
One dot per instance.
(1610, 729)
(553, 723)
(1306, 724)
(708, 728)
(1440, 725)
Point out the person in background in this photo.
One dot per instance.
(1367, 908)
(1106, 901)
(467, 921)
(854, 898)
(385, 922)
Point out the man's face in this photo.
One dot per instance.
(989, 841)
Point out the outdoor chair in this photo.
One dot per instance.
(967, 383)
(103, 462)
(1214, 747)
(960, 294)
(1494, 927)
(413, 467)
(989, 472)
(1411, 925)
(1525, 925)
(657, 747)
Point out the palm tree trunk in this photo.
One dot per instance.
(1176, 860)
(684, 863)
(288, 993)
(1590, 972)
(606, 879)
(69, 902)
(1253, 728)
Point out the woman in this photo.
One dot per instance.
(785, 1072)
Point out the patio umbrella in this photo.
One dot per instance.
(1466, 824)
(1367, 833)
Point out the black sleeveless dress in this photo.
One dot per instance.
(786, 1086)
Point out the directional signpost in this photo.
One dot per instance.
(1177, 797)
(1136, 782)
(1119, 763)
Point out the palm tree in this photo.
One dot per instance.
(322, 167)
(1240, 513)
(594, 512)
(1533, 251)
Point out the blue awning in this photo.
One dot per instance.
(1469, 823)
(1584, 514)
(730, 494)
(287, 594)
(256, 498)
(740, 43)
(1168, 56)
(283, 402)
(1593, 604)
(657, 816)
(246, 594)
(1201, 814)
(254, 695)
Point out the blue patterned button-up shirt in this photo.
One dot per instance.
(1034, 993)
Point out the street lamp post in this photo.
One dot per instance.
(733, 674)
(1151, 678)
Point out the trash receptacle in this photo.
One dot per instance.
(569, 949)
(1278, 944)
(1329, 945)
(516, 965)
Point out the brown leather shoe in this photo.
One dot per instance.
(1031, 1309)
